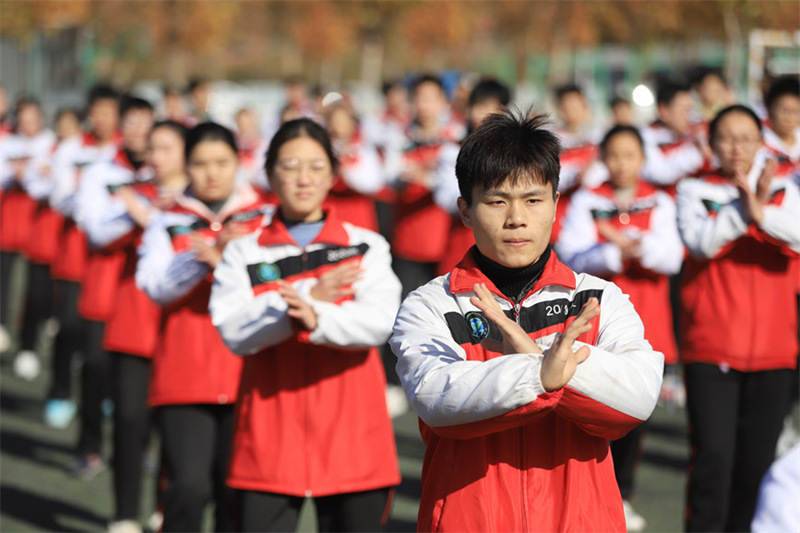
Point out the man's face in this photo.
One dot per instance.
(511, 223)
(677, 115)
(136, 126)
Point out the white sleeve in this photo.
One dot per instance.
(164, 275)
(366, 175)
(445, 389)
(578, 245)
(703, 234)
(446, 192)
(667, 168)
(622, 372)
(38, 179)
(103, 217)
(662, 249)
(783, 221)
(246, 322)
(367, 319)
(65, 177)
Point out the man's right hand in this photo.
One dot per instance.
(561, 361)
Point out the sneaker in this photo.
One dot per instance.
(27, 365)
(155, 521)
(86, 467)
(5, 339)
(634, 522)
(59, 413)
(396, 401)
(125, 526)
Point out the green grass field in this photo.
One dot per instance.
(38, 494)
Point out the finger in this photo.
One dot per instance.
(582, 354)
(769, 169)
(581, 324)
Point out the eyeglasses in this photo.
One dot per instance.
(744, 142)
(289, 170)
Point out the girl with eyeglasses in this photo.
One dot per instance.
(738, 319)
(305, 301)
(195, 377)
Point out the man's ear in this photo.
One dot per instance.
(465, 211)
(555, 206)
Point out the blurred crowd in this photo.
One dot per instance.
(120, 213)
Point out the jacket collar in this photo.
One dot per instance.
(466, 274)
(243, 196)
(332, 231)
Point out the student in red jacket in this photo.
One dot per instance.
(625, 231)
(519, 368)
(306, 300)
(739, 319)
(98, 295)
(195, 378)
(782, 130)
(122, 210)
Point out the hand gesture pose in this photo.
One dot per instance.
(561, 361)
(753, 202)
(299, 310)
(337, 282)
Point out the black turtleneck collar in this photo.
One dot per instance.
(136, 162)
(512, 282)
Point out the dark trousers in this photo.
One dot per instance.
(95, 387)
(196, 448)
(7, 262)
(626, 453)
(735, 419)
(354, 511)
(132, 422)
(38, 304)
(71, 337)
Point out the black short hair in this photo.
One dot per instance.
(426, 78)
(388, 85)
(301, 127)
(617, 100)
(489, 89)
(196, 82)
(785, 85)
(508, 146)
(668, 90)
(568, 88)
(620, 129)
(176, 127)
(133, 103)
(209, 131)
(102, 92)
(700, 75)
(736, 108)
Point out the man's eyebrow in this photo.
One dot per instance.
(537, 191)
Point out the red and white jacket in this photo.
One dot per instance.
(17, 207)
(311, 416)
(191, 364)
(421, 227)
(98, 297)
(668, 156)
(788, 156)
(501, 453)
(68, 168)
(133, 324)
(649, 217)
(739, 283)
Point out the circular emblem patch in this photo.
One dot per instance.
(478, 325)
(268, 272)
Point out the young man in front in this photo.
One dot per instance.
(520, 369)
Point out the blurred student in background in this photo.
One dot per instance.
(739, 319)
(195, 378)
